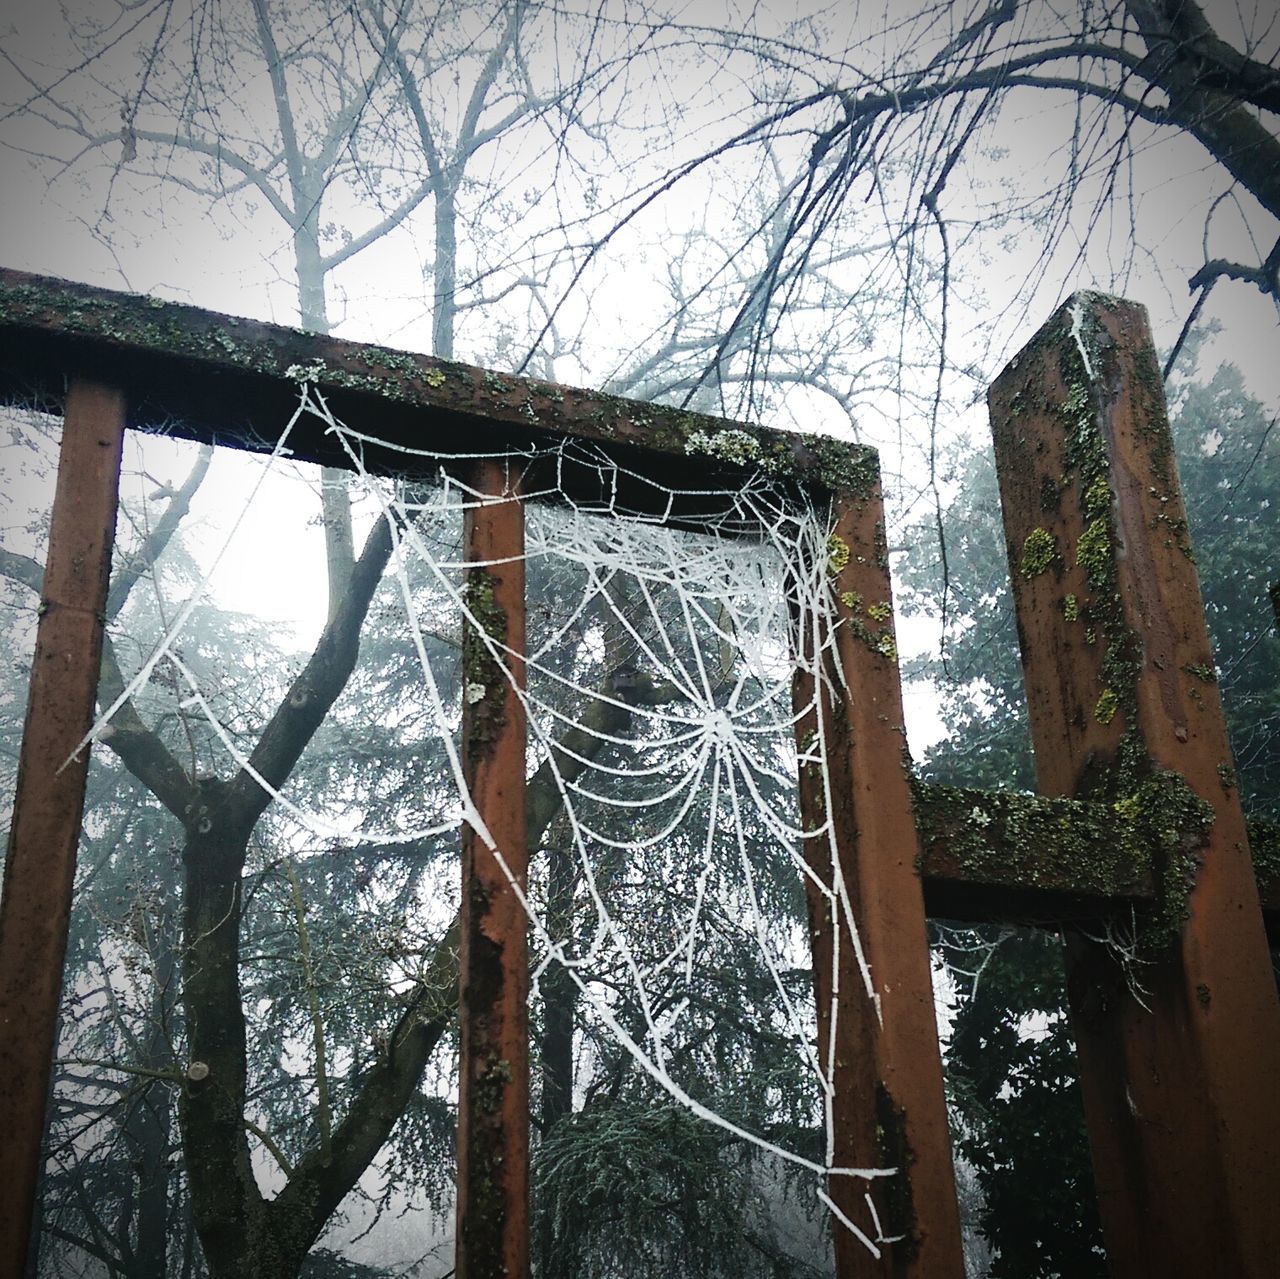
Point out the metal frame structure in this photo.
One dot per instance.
(1183, 1103)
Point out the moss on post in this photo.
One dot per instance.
(484, 678)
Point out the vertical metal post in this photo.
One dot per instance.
(40, 868)
(1182, 1096)
(888, 1103)
(493, 1084)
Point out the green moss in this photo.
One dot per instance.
(1077, 407)
(1264, 847)
(838, 466)
(1167, 816)
(312, 371)
(1143, 847)
(1202, 671)
(484, 679)
(1031, 841)
(845, 468)
(1163, 824)
(166, 328)
(1088, 467)
(1093, 550)
(1105, 711)
(880, 546)
(1038, 552)
(1097, 498)
(871, 623)
(491, 1085)
(878, 639)
(837, 553)
(731, 445)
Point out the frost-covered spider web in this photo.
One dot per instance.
(669, 866)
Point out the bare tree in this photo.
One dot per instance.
(347, 120)
(905, 118)
(325, 128)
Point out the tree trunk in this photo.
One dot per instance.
(445, 302)
(152, 1117)
(335, 500)
(559, 1000)
(1228, 129)
(228, 1207)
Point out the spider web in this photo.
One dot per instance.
(660, 707)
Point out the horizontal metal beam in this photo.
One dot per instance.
(220, 379)
(991, 855)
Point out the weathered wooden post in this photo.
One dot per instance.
(886, 1069)
(493, 1072)
(40, 870)
(1180, 1054)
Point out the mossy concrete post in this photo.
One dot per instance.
(493, 1072)
(1180, 1051)
(882, 1055)
(39, 870)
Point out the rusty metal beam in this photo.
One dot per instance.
(493, 1072)
(998, 855)
(889, 1109)
(40, 868)
(1182, 1100)
(991, 855)
(232, 381)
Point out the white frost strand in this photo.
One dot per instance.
(703, 628)
(1077, 332)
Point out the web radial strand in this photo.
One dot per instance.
(662, 736)
(679, 808)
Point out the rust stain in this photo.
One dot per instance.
(887, 1061)
(40, 868)
(493, 1101)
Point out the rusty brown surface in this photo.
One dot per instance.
(40, 867)
(232, 381)
(1000, 855)
(493, 1102)
(1183, 1101)
(889, 1108)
